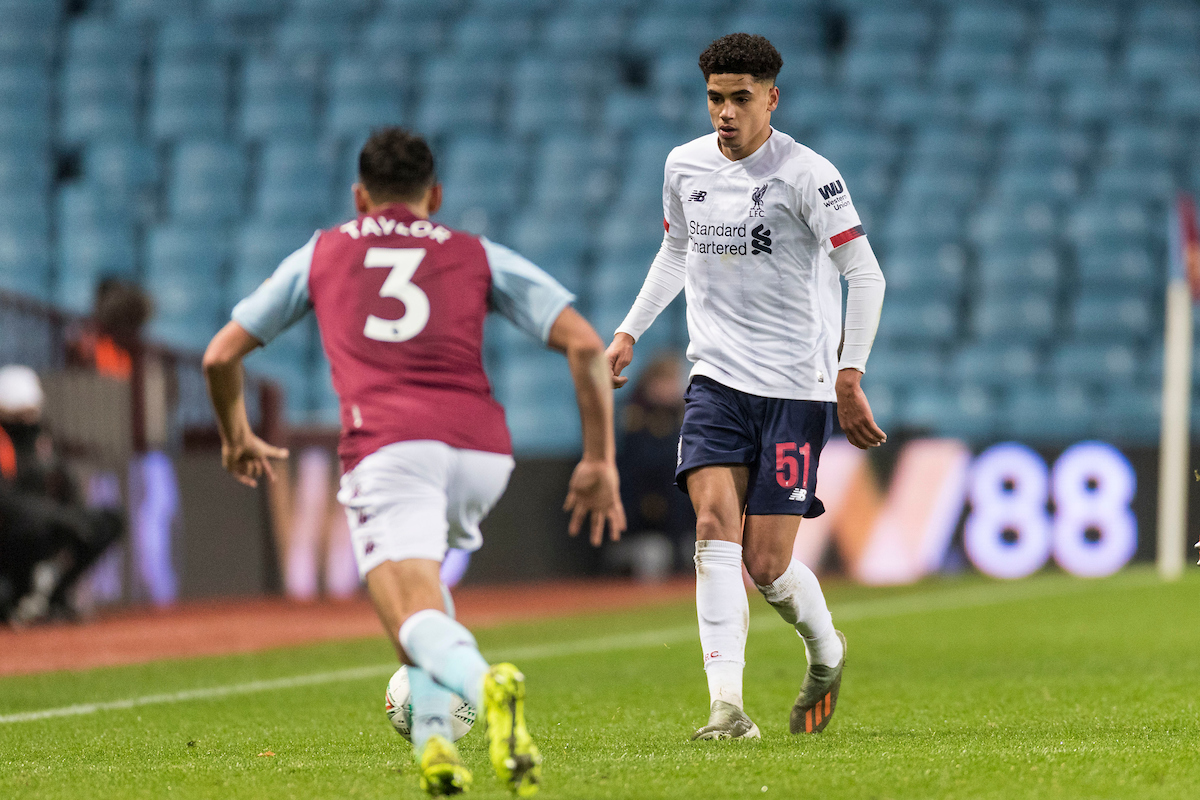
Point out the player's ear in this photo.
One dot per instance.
(362, 199)
(773, 98)
(435, 198)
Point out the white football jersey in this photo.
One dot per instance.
(763, 298)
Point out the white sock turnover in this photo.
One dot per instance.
(797, 596)
(724, 615)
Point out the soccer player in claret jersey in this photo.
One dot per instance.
(758, 227)
(400, 302)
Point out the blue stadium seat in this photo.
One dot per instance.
(101, 42)
(239, 10)
(346, 9)
(958, 145)
(29, 130)
(921, 321)
(25, 173)
(1024, 320)
(999, 365)
(1042, 145)
(907, 225)
(587, 76)
(315, 33)
(258, 249)
(1009, 103)
(1168, 21)
(913, 106)
(905, 367)
(617, 281)
(153, 10)
(966, 64)
(99, 100)
(25, 86)
(1061, 412)
(1076, 22)
(120, 164)
(1131, 415)
(365, 93)
(571, 178)
(1141, 145)
(922, 269)
(1017, 182)
(458, 96)
(969, 413)
(884, 402)
(556, 242)
(1098, 102)
(1180, 100)
(91, 206)
(25, 38)
(843, 145)
(537, 109)
(183, 265)
(402, 34)
(631, 237)
(87, 254)
(1020, 269)
(1100, 221)
(492, 37)
(208, 182)
(658, 31)
(890, 28)
(987, 24)
(1112, 317)
(1089, 362)
(25, 258)
(278, 100)
(1153, 60)
(1128, 266)
(1062, 62)
(865, 69)
(189, 99)
(186, 250)
(796, 28)
(946, 188)
(1139, 184)
(539, 402)
(295, 183)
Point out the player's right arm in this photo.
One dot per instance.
(271, 309)
(663, 283)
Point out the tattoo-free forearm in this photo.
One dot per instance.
(593, 390)
(228, 400)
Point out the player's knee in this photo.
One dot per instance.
(765, 568)
(712, 524)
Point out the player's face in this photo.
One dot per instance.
(740, 108)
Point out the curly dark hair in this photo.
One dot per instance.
(742, 53)
(396, 164)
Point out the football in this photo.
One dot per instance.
(397, 704)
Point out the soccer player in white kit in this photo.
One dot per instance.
(758, 228)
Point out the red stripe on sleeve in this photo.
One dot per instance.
(666, 225)
(846, 236)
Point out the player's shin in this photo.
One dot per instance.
(797, 596)
(446, 651)
(724, 616)
(431, 708)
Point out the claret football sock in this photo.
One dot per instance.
(724, 615)
(447, 651)
(431, 708)
(797, 596)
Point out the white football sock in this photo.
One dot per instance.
(797, 596)
(724, 615)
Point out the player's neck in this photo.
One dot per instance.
(420, 210)
(748, 149)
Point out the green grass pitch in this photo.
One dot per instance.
(1046, 688)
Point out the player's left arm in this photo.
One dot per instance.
(539, 305)
(864, 300)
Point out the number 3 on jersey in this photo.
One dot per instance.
(399, 286)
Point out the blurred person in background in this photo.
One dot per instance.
(660, 516)
(48, 538)
(106, 342)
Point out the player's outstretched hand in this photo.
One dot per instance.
(250, 459)
(595, 490)
(618, 355)
(854, 412)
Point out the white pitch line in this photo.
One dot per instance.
(969, 597)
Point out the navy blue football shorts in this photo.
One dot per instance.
(780, 440)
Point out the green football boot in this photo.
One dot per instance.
(442, 770)
(514, 755)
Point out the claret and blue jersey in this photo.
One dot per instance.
(400, 303)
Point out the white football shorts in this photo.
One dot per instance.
(417, 499)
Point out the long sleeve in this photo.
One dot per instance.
(663, 283)
(864, 300)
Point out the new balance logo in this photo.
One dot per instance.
(798, 494)
(698, 196)
(762, 240)
(831, 190)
